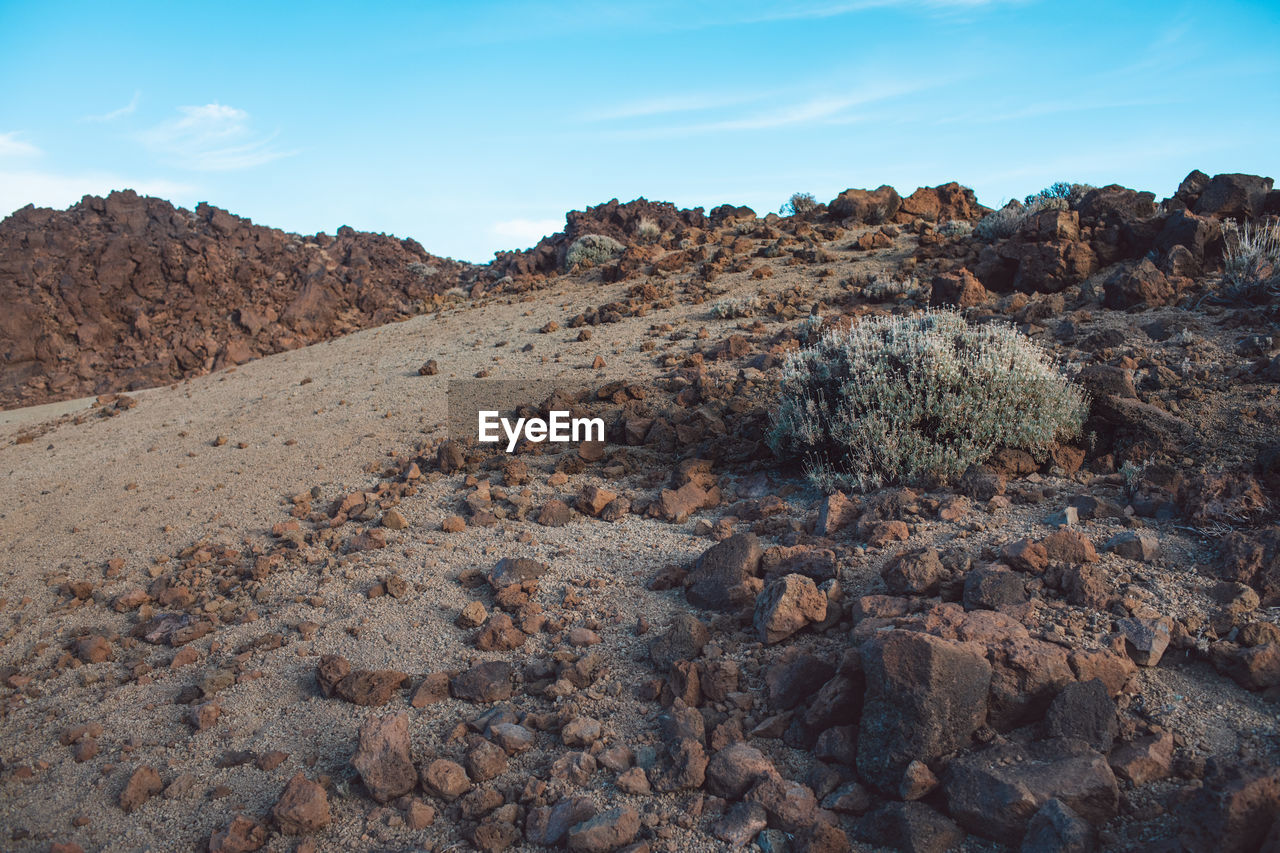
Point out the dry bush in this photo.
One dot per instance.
(591, 250)
(800, 204)
(1251, 259)
(917, 400)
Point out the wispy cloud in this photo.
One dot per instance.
(214, 137)
(127, 109)
(525, 232)
(12, 146)
(48, 189)
(823, 109)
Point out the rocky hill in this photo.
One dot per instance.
(284, 608)
(126, 292)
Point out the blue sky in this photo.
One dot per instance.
(473, 127)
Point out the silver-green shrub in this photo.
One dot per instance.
(1005, 221)
(1251, 259)
(591, 250)
(733, 309)
(917, 399)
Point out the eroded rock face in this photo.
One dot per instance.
(870, 207)
(925, 696)
(1234, 809)
(995, 792)
(127, 291)
(724, 577)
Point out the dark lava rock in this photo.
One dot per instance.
(925, 697)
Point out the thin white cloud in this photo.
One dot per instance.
(826, 109)
(48, 189)
(214, 137)
(525, 232)
(127, 109)
(12, 146)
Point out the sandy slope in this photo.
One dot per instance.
(149, 481)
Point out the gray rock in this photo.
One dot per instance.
(925, 697)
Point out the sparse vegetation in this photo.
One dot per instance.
(883, 288)
(800, 204)
(591, 250)
(954, 228)
(918, 399)
(1251, 259)
(423, 271)
(1005, 221)
(1061, 190)
(733, 309)
(647, 231)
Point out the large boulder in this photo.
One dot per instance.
(1233, 810)
(925, 697)
(940, 204)
(724, 577)
(1138, 283)
(870, 207)
(1234, 196)
(996, 791)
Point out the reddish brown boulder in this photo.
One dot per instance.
(445, 779)
(732, 771)
(548, 825)
(684, 640)
(500, 634)
(870, 207)
(787, 605)
(1026, 676)
(485, 682)
(791, 806)
(303, 807)
(242, 835)
(605, 832)
(940, 204)
(1234, 196)
(913, 572)
(382, 757)
(1144, 760)
(835, 513)
(370, 687)
(142, 785)
(554, 513)
(1069, 546)
(960, 288)
(1140, 283)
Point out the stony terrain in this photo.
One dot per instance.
(276, 607)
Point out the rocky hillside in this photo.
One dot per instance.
(128, 292)
(299, 615)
